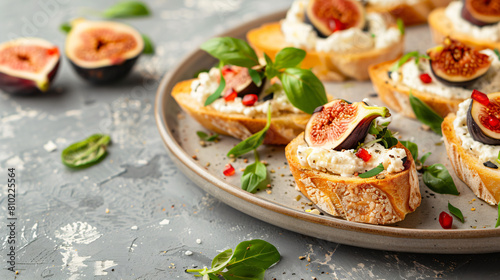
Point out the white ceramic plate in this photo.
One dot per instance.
(419, 232)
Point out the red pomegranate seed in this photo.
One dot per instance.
(230, 94)
(480, 97)
(226, 69)
(249, 99)
(364, 155)
(336, 25)
(53, 51)
(445, 220)
(493, 121)
(228, 170)
(426, 78)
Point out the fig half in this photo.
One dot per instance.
(456, 64)
(103, 51)
(483, 120)
(341, 125)
(238, 78)
(329, 16)
(481, 12)
(28, 65)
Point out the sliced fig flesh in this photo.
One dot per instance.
(456, 64)
(481, 12)
(103, 51)
(329, 16)
(483, 121)
(28, 65)
(238, 78)
(341, 125)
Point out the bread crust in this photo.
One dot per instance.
(483, 181)
(327, 66)
(441, 26)
(414, 14)
(397, 95)
(283, 128)
(375, 201)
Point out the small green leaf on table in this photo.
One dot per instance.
(437, 178)
(148, 45)
(127, 9)
(456, 212)
(65, 27)
(254, 175)
(205, 137)
(87, 152)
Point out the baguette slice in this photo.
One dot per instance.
(441, 26)
(397, 95)
(284, 127)
(327, 66)
(483, 181)
(411, 14)
(375, 201)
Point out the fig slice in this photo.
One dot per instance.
(28, 65)
(483, 120)
(103, 51)
(238, 78)
(481, 12)
(456, 64)
(341, 125)
(329, 16)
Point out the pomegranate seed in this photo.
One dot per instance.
(480, 97)
(53, 51)
(364, 155)
(493, 121)
(336, 25)
(426, 78)
(226, 69)
(445, 220)
(249, 99)
(228, 170)
(230, 94)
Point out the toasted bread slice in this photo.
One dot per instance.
(284, 127)
(376, 201)
(327, 66)
(397, 95)
(411, 14)
(441, 26)
(483, 181)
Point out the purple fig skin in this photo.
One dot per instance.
(475, 130)
(357, 135)
(19, 86)
(106, 74)
(470, 18)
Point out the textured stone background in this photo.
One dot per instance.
(155, 213)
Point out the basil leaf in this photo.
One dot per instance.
(206, 137)
(212, 277)
(87, 152)
(424, 157)
(231, 51)
(372, 172)
(373, 128)
(497, 53)
(254, 175)
(401, 26)
(148, 45)
(214, 96)
(255, 75)
(244, 272)
(425, 114)
(127, 9)
(252, 142)
(65, 27)
(257, 253)
(438, 179)
(387, 139)
(498, 218)
(406, 57)
(498, 158)
(412, 147)
(455, 211)
(304, 90)
(271, 71)
(220, 261)
(289, 57)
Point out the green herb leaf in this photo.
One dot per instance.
(497, 53)
(214, 96)
(438, 179)
(271, 71)
(412, 147)
(244, 272)
(498, 158)
(257, 253)
(406, 57)
(424, 157)
(87, 152)
(127, 9)
(372, 172)
(231, 51)
(387, 138)
(254, 175)
(455, 211)
(252, 142)
(425, 114)
(221, 260)
(289, 57)
(401, 26)
(205, 137)
(304, 90)
(148, 45)
(198, 73)
(65, 27)
(498, 218)
(255, 75)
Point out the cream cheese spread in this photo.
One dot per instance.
(302, 35)
(454, 13)
(483, 151)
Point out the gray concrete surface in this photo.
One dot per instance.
(134, 216)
